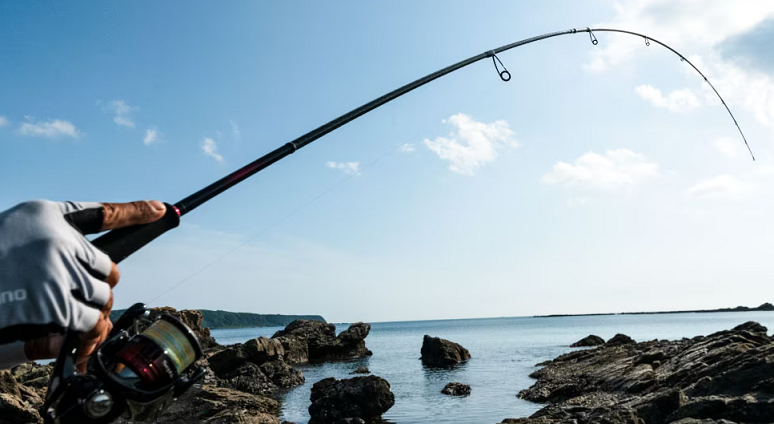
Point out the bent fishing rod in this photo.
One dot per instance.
(121, 243)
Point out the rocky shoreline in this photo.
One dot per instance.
(724, 378)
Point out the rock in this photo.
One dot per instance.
(589, 341)
(335, 400)
(361, 370)
(306, 340)
(193, 319)
(724, 378)
(13, 410)
(218, 405)
(256, 367)
(8, 384)
(456, 389)
(619, 339)
(437, 352)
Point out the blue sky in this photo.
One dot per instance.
(598, 179)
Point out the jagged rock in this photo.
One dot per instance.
(218, 405)
(589, 341)
(437, 352)
(193, 319)
(724, 378)
(309, 340)
(256, 351)
(256, 367)
(361, 370)
(619, 339)
(456, 389)
(335, 400)
(8, 384)
(13, 410)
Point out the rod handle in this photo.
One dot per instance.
(122, 242)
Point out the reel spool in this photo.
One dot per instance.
(145, 363)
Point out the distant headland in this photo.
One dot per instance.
(225, 319)
(765, 307)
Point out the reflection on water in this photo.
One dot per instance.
(504, 352)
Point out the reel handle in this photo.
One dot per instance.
(121, 243)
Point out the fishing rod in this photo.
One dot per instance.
(121, 243)
(125, 373)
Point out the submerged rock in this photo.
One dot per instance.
(306, 340)
(589, 341)
(347, 400)
(361, 370)
(724, 378)
(437, 352)
(456, 389)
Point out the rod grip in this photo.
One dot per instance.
(122, 242)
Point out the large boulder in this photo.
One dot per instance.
(256, 367)
(306, 340)
(619, 339)
(348, 400)
(589, 341)
(437, 352)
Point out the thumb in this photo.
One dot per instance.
(118, 215)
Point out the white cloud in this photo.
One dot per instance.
(210, 148)
(349, 168)
(723, 187)
(50, 129)
(235, 130)
(728, 147)
(406, 148)
(152, 135)
(615, 170)
(697, 26)
(3, 121)
(122, 112)
(471, 144)
(677, 101)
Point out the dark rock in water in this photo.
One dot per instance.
(456, 389)
(437, 352)
(361, 370)
(619, 339)
(256, 351)
(335, 401)
(724, 378)
(589, 341)
(193, 319)
(310, 340)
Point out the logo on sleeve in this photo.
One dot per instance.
(13, 296)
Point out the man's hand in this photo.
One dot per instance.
(52, 279)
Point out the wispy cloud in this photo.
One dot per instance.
(3, 121)
(406, 148)
(722, 187)
(152, 135)
(210, 148)
(615, 170)
(676, 101)
(471, 144)
(235, 130)
(49, 129)
(122, 112)
(349, 168)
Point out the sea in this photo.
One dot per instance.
(504, 351)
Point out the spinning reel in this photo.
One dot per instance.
(146, 362)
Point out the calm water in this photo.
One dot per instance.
(504, 352)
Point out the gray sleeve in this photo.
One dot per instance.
(51, 277)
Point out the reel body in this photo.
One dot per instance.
(146, 362)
